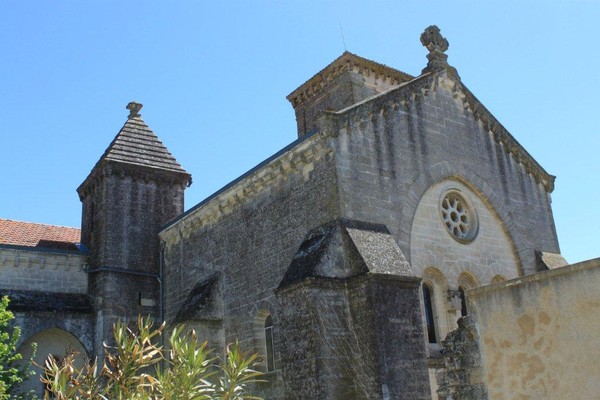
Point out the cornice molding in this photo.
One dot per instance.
(298, 160)
(18, 258)
(346, 62)
(134, 171)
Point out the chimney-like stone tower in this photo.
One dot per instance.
(135, 188)
(348, 80)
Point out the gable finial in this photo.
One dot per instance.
(437, 45)
(134, 109)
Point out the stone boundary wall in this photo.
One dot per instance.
(539, 334)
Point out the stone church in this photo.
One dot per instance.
(343, 259)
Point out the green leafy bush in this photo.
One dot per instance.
(138, 368)
(11, 374)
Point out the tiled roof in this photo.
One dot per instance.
(30, 234)
(137, 144)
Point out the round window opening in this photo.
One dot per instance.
(459, 216)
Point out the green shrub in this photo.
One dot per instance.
(11, 375)
(138, 368)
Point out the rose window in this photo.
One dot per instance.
(458, 216)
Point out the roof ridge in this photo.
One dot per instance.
(38, 223)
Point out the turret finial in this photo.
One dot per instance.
(433, 40)
(134, 109)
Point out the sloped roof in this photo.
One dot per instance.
(30, 234)
(202, 302)
(345, 248)
(137, 144)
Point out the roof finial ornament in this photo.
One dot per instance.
(134, 109)
(437, 45)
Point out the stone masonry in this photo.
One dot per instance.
(342, 259)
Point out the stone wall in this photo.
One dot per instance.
(248, 234)
(539, 334)
(46, 271)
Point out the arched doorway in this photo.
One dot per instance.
(55, 342)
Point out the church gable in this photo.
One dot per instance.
(426, 130)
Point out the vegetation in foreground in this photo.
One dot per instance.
(11, 375)
(138, 368)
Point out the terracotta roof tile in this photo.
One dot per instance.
(30, 234)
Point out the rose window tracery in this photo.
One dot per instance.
(459, 216)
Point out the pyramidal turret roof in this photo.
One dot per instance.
(137, 144)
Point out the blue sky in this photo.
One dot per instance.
(213, 77)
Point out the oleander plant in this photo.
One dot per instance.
(137, 367)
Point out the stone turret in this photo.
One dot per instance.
(135, 188)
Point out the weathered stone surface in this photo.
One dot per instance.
(462, 378)
(538, 334)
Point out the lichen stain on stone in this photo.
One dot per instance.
(544, 318)
(538, 343)
(527, 325)
(535, 366)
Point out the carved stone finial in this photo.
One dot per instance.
(433, 40)
(134, 109)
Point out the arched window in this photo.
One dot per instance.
(269, 349)
(463, 301)
(429, 318)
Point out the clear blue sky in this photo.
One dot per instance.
(213, 77)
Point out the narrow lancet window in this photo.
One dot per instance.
(429, 318)
(269, 349)
(463, 302)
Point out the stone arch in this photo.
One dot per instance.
(79, 325)
(460, 172)
(437, 281)
(468, 280)
(489, 253)
(264, 340)
(51, 341)
(497, 279)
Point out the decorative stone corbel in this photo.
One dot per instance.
(454, 300)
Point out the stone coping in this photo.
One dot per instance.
(594, 263)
